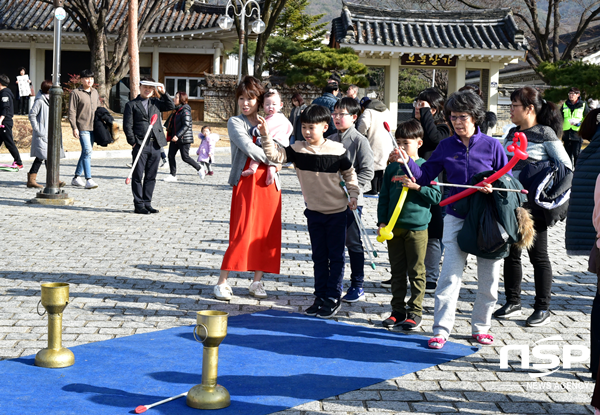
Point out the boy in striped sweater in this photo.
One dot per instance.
(318, 163)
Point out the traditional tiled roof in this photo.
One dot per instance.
(493, 29)
(183, 16)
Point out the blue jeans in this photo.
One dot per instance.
(84, 165)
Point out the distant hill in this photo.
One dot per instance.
(331, 8)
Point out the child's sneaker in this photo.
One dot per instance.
(394, 320)
(430, 287)
(353, 295)
(329, 308)
(223, 292)
(201, 172)
(314, 309)
(412, 322)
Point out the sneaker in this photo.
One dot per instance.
(412, 322)
(314, 309)
(436, 342)
(354, 294)
(77, 181)
(394, 320)
(223, 292)
(201, 173)
(16, 165)
(386, 283)
(256, 289)
(130, 165)
(170, 178)
(539, 318)
(90, 184)
(430, 287)
(485, 339)
(210, 173)
(329, 308)
(508, 310)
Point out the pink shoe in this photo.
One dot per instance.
(485, 339)
(436, 342)
(16, 166)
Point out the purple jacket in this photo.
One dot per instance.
(460, 163)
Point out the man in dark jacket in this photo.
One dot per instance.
(328, 100)
(136, 120)
(7, 110)
(574, 111)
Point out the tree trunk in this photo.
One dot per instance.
(98, 50)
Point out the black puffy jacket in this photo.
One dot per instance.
(179, 124)
(580, 233)
(549, 185)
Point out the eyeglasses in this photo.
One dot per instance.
(463, 118)
(340, 115)
(513, 106)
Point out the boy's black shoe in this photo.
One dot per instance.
(394, 320)
(314, 309)
(329, 308)
(508, 310)
(430, 287)
(412, 322)
(538, 318)
(386, 283)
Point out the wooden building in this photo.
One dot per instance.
(456, 41)
(183, 42)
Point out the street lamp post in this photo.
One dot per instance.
(52, 194)
(226, 23)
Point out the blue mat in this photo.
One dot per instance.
(269, 361)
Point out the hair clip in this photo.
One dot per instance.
(273, 91)
(544, 101)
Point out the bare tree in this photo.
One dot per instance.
(92, 16)
(542, 26)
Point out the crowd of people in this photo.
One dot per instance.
(337, 138)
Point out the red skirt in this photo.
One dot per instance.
(254, 225)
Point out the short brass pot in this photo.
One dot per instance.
(55, 297)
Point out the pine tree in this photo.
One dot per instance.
(315, 67)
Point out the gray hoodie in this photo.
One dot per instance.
(360, 154)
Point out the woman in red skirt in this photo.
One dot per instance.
(255, 218)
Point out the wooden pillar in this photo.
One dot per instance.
(492, 98)
(155, 63)
(35, 82)
(217, 58)
(456, 76)
(134, 53)
(391, 90)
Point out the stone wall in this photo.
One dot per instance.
(219, 95)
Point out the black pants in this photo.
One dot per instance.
(327, 239)
(6, 137)
(356, 252)
(23, 106)
(176, 146)
(376, 183)
(542, 270)
(573, 148)
(595, 336)
(146, 168)
(35, 167)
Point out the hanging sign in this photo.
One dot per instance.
(444, 61)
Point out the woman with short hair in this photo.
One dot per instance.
(463, 155)
(255, 218)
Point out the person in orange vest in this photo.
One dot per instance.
(574, 111)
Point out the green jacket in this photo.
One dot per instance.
(474, 207)
(415, 214)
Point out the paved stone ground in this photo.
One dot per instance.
(132, 274)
